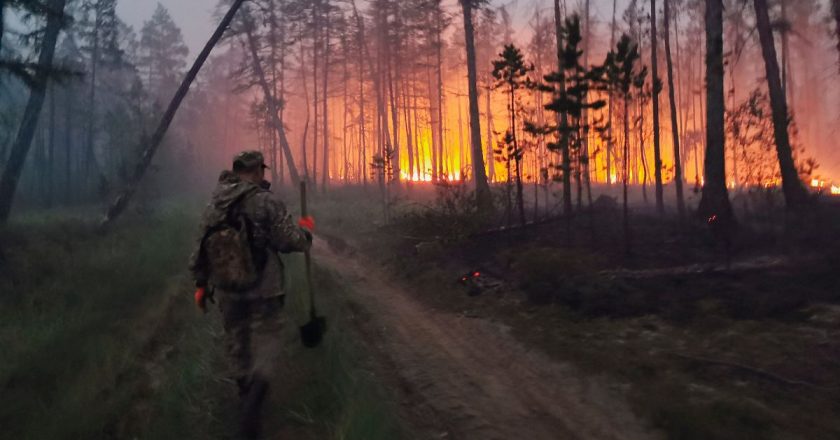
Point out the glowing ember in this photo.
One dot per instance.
(835, 190)
(816, 183)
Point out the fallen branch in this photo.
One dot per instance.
(755, 371)
(121, 201)
(518, 227)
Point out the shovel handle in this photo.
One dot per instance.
(306, 254)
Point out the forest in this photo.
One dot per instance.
(535, 218)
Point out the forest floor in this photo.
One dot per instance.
(521, 334)
(434, 333)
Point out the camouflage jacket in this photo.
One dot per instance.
(273, 232)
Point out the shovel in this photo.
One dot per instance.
(313, 331)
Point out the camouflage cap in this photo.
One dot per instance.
(247, 160)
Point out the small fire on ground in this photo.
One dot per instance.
(822, 185)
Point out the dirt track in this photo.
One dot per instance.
(463, 378)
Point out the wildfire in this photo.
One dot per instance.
(821, 185)
(427, 177)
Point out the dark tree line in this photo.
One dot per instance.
(330, 89)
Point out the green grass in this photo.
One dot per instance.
(323, 393)
(69, 309)
(100, 340)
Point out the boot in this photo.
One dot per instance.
(251, 407)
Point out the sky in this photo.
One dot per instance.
(195, 17)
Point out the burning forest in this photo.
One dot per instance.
(529, 219)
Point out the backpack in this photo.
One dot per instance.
(228, 253)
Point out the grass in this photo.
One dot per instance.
(630, 332)
(323, 393)
(69, 309)
(101, 340)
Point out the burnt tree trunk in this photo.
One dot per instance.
(482, 188)
(657, 87)
(272, 108)
(29, 122)
(675, 127)
(325, 170)
(835, 8)
(563, 135)
(795, 195)
(715, 199)
(119, 204)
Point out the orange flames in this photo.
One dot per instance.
(821, 186)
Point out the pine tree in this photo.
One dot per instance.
(26, 131)
(511, 72)
(100, 30)
(675, 127)
(482, 188)
(835, 9)
(163, 54)
(624, 76)
(795, 195)
(715, 201)
(657, 87)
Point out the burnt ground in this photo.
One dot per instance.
(671, 339)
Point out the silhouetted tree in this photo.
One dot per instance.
(26, 131)
(675, 126)
(795, 195)
(482, 188)
(511, 72)
(715, 200)
(624, 76)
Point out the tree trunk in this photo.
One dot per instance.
(90, 154)
(51, 150)
(345, 80)
(563, 135)
(363, 55)
(119, 204)
(482, 188)
(439, 74)
(2, 23)
(625, 177)
(325, 176)
(589, 156)
(272, 108)
(272, 41)
(29, 121)
(610, 140)
(835, 8)
(657, 153)
(305, 86)
(315, 103)
(392, 76)
(488, 109)
(715, 199)
(675, 129)
(433, 120)
(795, 195)
(68, 143)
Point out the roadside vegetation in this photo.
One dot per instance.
(701, 348)
(101, 340)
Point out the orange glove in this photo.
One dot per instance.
(201, 299)
(307, 223)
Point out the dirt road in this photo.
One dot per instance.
(463, 378)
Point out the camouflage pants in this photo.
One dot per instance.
(252, 337)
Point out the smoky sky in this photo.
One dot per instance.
(195, 17)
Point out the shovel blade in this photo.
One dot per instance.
(312, 333)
